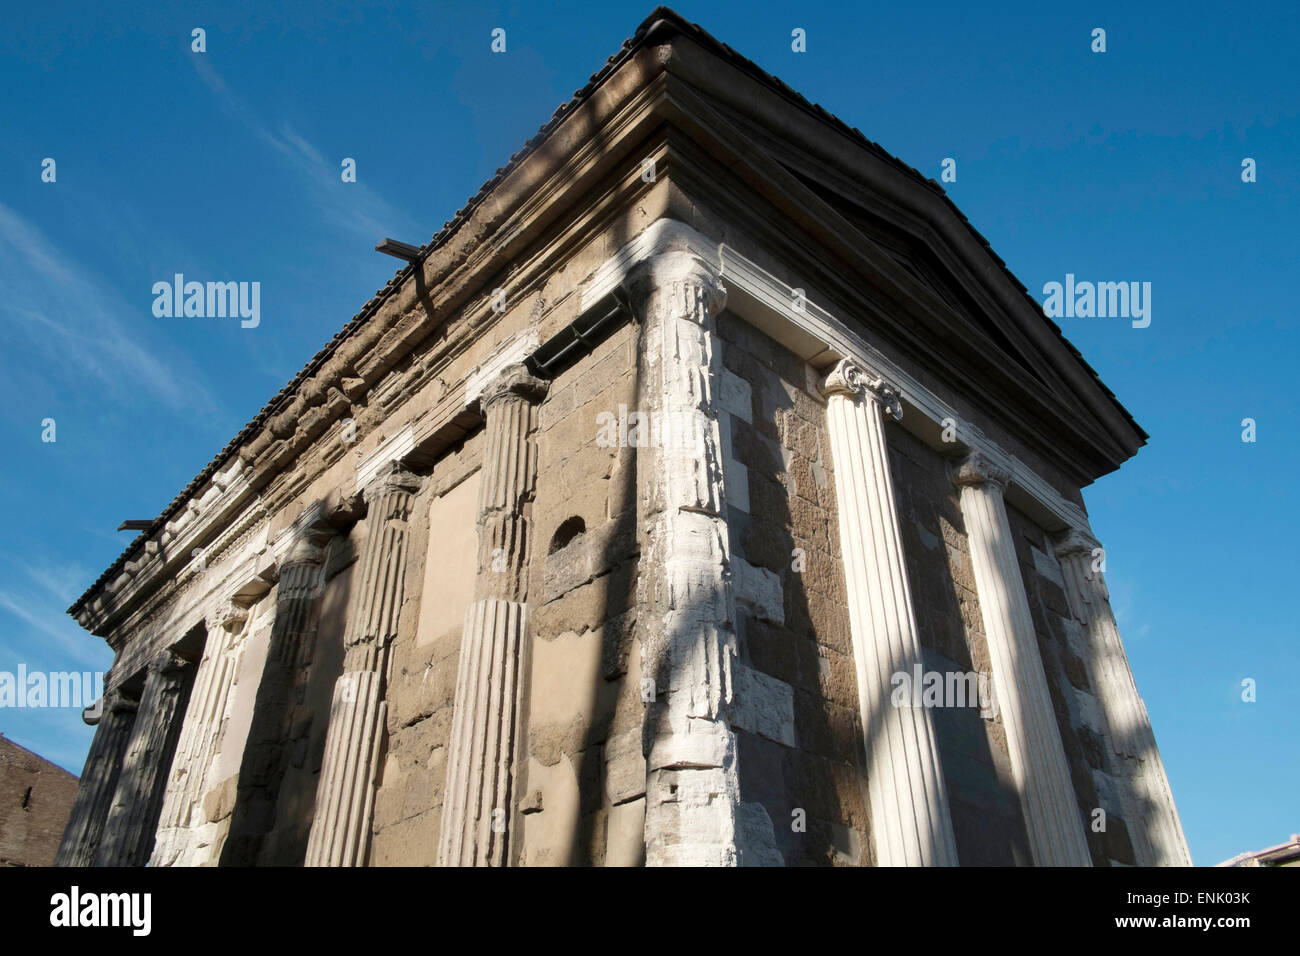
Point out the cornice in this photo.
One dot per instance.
(534, 192)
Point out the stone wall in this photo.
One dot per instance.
(35, 800)
(426, 655)
(286, 844)
(986, 815)
(1064, 649)
(583, 784)
(796, 712)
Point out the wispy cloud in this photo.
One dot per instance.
(351, 206)
(74, 320)
(62, 582)
(72, 647)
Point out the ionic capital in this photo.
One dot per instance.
(306, 549)
(1075, 542)
(230, 616)
(850, 378)
(169, 664)
(308, 538)
(672, 269)
(392, 477)
(514, 382)
(117, 703)
(976, 469)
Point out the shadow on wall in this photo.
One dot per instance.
(272, 814)
(814, 792)
(1121, 749)
(988, 825)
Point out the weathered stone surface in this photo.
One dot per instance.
(624, 652)
(763, 705)
(36, 799)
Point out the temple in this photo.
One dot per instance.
(607, 532)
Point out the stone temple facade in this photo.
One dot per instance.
(706, 492)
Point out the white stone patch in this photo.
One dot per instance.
(1077, 638)
(1107, 794)
(759, 589)
(1089, 711)
(928, 540)
(763, 705)
(755, 837)
(734, 396)
(819, 474)
(707, 747)
(624, 768)
(1047, 567)
(813, 383)
(625, 843)
(735, 476)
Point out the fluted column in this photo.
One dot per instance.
(133, 818)
(285, 676)
(345, 794)
(1038, 764)
(1148, 803)
(911, 820)
(476, 810)
(293, 633)
(197, 746)
(85, 827)
(685, 607)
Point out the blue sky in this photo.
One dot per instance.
(225, 165)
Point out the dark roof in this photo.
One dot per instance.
(662, 23)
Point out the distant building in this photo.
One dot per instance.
(705, 492)
(35, 800)
(1284, 854)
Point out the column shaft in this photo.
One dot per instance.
(340, 831)
(477, 811)
(133, 818)
(181, 812)
(99, 779)
(1148, 804)
(283, 683)
(1038, 763)
(911, 820)
(685, 607)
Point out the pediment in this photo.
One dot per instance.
(902, 254)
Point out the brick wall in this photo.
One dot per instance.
(35, 801)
